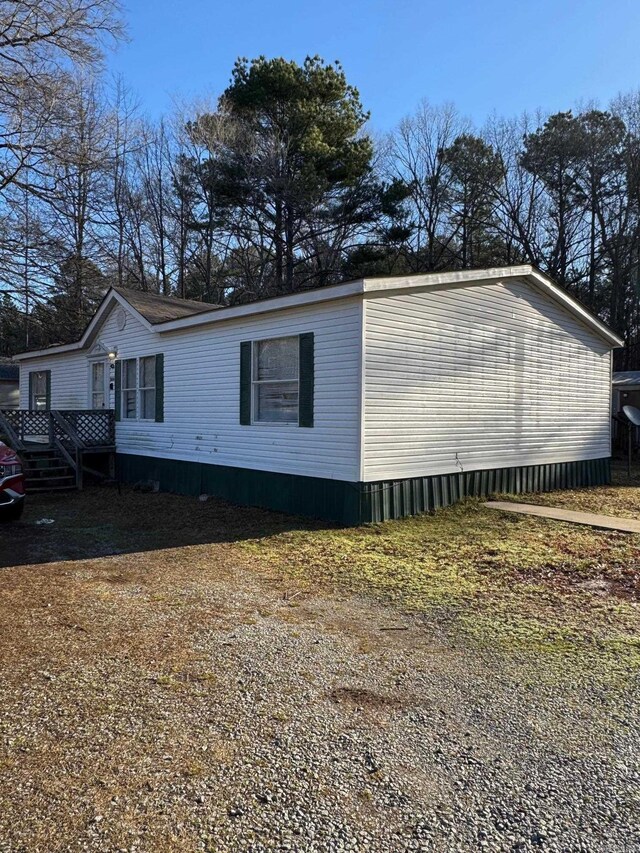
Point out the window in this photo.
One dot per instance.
(39, 392)
(148, 387)
(129, 388)
(275, 386)
(98, 385)
(277, 380)
(140, 398)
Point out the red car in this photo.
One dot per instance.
(11, 484)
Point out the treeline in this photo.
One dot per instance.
(278, 186)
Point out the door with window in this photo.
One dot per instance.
(39, 390)
(98, 383)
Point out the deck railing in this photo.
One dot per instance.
(74, 428)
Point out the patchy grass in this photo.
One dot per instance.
(525, 584)
(621, 499)
(158, 654)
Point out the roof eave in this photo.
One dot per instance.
(478, 277)
(110, 298)
(574, 306)
(277, 303)
(367, 287)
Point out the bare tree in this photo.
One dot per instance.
(415, 157)
(41, 41)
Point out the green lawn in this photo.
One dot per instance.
(529, 585)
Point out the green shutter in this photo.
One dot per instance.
(305, 414)
(245, 382)
(159, 388)
(47, 377)
(31, 391)
(117, 387)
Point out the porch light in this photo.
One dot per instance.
(113, 353)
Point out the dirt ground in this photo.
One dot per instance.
(186, 675)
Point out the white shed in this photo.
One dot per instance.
(366, 400)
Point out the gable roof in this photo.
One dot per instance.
(409, 284)
(161, 309)
(162, 314)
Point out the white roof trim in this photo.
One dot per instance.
(276, 303)
(574, 306)
(365, 287)
(381, 286)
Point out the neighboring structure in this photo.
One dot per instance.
(626, 390)
(9, 376)
(372, 399)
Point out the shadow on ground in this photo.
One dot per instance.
(102, 521)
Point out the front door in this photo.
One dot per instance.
(39, 390)
(99, 376)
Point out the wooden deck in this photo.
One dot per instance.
(54, 444)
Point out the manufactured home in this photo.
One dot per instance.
(356, 402)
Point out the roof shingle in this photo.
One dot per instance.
(160, 309)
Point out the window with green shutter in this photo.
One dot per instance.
(139, 388)
(277, 380)
(159, 413)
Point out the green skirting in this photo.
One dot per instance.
(355, 503)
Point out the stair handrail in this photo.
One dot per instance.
(67, 456)
(7, 428)
(76, 464)
(67, 428)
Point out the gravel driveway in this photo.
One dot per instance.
(176, 700)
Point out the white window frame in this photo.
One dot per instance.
(105, 380)
(255, 383)
(139, 388)
(124, 389)
(142, 388)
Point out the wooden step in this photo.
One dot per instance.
(38, 481)
(46, 470)
(41, 490)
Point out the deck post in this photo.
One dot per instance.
(79, 470)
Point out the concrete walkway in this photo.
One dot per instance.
(608, 522)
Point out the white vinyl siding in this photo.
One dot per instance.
(202, 392)
(69, 380)
(450, 378)
(478, 377)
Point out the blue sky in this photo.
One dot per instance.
(501, 56)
